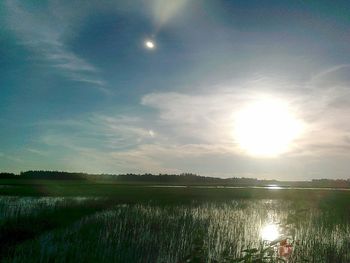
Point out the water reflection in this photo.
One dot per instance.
(270, 232)
(274, 187)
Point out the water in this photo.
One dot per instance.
(268, 187)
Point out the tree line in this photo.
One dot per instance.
(184, 178)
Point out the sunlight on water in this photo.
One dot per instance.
(273, 187)
(270, 232)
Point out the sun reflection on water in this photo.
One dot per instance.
(273, 187)
(270, 232)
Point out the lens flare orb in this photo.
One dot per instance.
(149, 44)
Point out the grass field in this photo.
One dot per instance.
(50, 221)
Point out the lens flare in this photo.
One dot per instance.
(149, 44)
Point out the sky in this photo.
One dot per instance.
(79, 91)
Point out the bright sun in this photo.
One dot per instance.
(266, 128)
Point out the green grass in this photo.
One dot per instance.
(57, 221)
(206, 232)
(25, 218)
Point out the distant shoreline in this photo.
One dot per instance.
(164, 180)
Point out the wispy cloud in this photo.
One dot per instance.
(193, 131)
(328, 71)
(44, 34)
(36, 151)
(207, 117)
(108, 133)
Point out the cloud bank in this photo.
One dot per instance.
(193, 132)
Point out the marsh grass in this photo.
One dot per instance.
(25, 218)
(195, 232)
(15, 207)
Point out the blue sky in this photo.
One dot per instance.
(79, 92)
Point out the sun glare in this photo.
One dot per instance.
(269, 232)
(266, 128)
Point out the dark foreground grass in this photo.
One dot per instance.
(197, 232)
(142, 223)
(19, 228)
